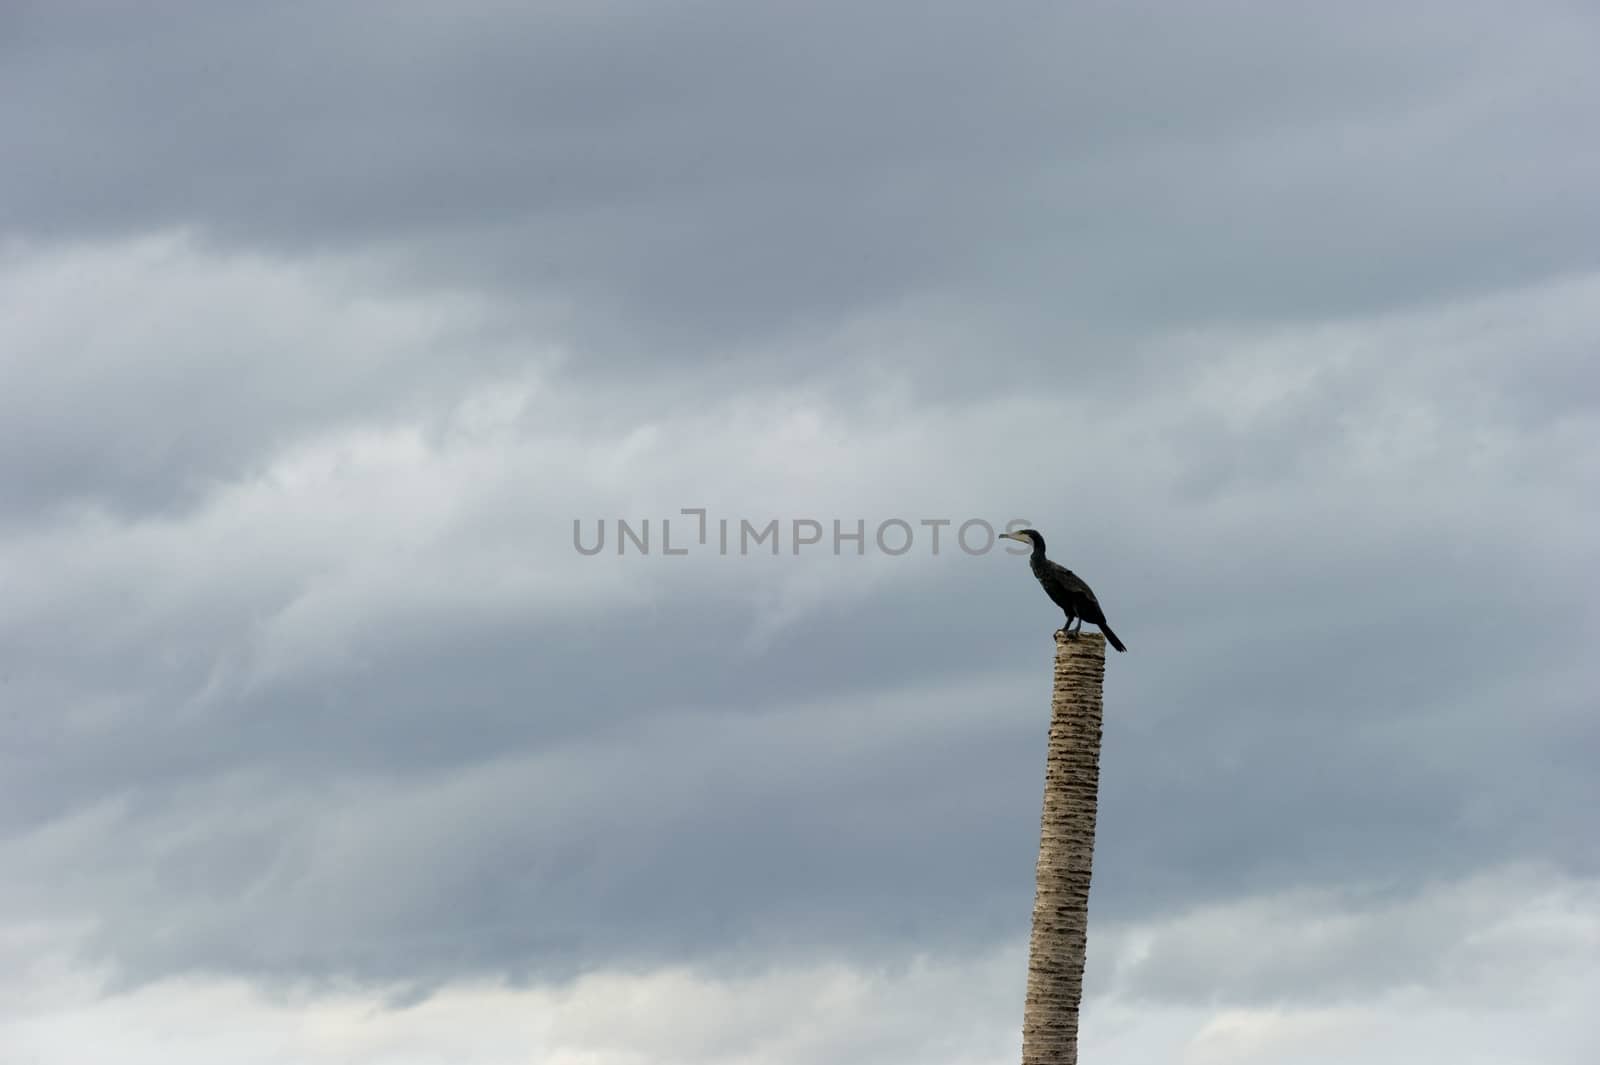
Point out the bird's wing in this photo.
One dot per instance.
(1070, 583)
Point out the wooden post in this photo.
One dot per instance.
(1066, 855)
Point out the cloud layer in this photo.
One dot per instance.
(321, 327)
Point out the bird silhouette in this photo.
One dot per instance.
(1065, 588)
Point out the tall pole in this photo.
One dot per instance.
(1066, 855)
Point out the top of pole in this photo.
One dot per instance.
(1082, 643)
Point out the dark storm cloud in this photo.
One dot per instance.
(533, 788)
(655, 187)
(518, 799)
(309, 733)
(141, 376)
(695, 177)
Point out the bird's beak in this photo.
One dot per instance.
(1010, 536)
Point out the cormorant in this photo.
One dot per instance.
(1065, 588)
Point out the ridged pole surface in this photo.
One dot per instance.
(1066, 855)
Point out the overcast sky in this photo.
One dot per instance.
(322, 323)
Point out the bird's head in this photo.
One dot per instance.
(1025, 536)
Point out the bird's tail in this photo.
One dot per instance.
(1111, 638)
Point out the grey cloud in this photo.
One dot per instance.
(145, 375)
(1454, 937)
(755, 172)
(390, 727)
(656, 785)
(548, 861)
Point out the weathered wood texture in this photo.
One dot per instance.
(1066, 855)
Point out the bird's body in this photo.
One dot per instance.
(1066, 589)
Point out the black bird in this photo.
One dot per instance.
(1065, 588)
